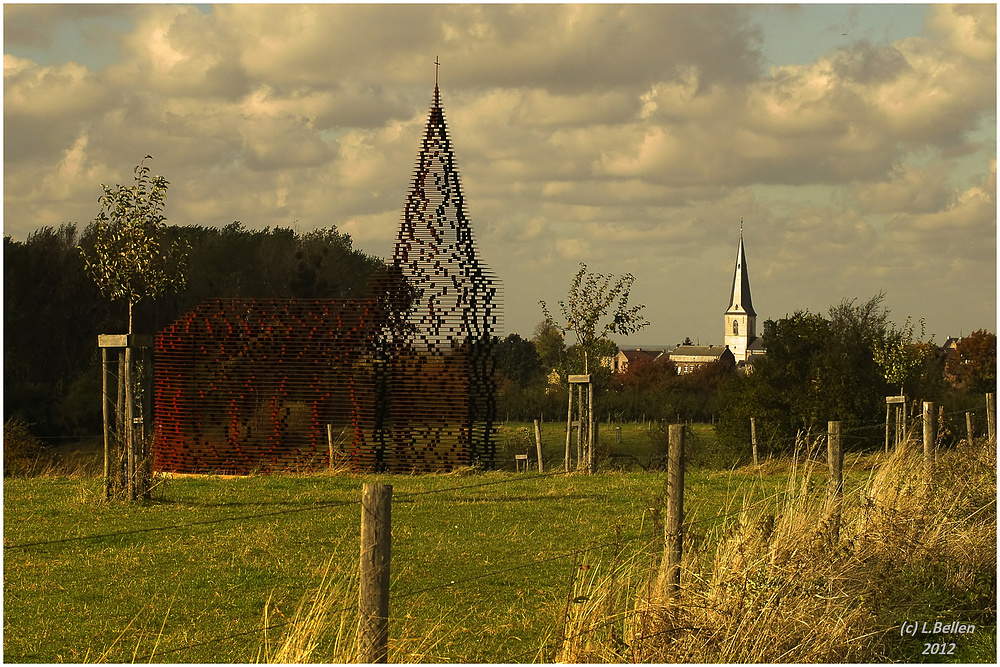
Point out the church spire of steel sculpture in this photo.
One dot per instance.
(455, 313)
(458, 296)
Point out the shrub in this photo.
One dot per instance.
(20, 447)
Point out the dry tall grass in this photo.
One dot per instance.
(778, 588)
(327, 616)
(324, 627)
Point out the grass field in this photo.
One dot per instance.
(483, 564)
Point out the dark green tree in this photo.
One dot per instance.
(52, 315)
(851, 382)
(816, 370)
(550, 345)
(517, 360)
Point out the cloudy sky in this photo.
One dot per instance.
(858, 143)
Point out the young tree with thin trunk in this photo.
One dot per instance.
(597, 306)
(130, 257)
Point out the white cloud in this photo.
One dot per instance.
(633, 135)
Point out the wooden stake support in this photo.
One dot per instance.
(991, 416)
(538, 444)
(376, 555)
(129, 436)
(895, 407)
(835, 481)
(930, 439)
(673, 546)
(584, 422)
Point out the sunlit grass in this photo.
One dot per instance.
(485, 565)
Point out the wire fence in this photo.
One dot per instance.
(648, 541)
(412, 496)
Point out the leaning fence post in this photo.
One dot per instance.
(930, 438)
(968, 425)
(670, 570)
(376, 554)
(753, 438)
(835, 482)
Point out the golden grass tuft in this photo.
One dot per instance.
(778, 588)
(326, 617)
(324, 627)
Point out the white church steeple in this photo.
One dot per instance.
(741, 319)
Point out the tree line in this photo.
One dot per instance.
(843, 366)
(533, 380)
(54, 310)
(818, 368)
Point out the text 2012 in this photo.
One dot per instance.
(939, 649)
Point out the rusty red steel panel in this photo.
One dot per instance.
(405, 376)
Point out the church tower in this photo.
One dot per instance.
(741, 319)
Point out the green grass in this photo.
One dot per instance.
(637, 450)
(108, 597)
(482, 562)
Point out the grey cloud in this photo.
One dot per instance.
(37, 24)
(557, 47)
(870, 65)
(46, 108)
(370, 107)
(907, 190)
(637, 134)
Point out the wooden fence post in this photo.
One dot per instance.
(835, 482)
(376, 554)
(130, 425)
(968, 425)
(121, 463)
(888, 408)
(591, 440)
(991, 416)
(941, 428)
(569, 423)
(106, 409)
(670, 570)
(930, 438)
(753, 438)
(329, 442)
(538, 444)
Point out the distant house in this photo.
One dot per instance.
(746, 367)
(950, 346)
(689, 358)
(620, 362)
